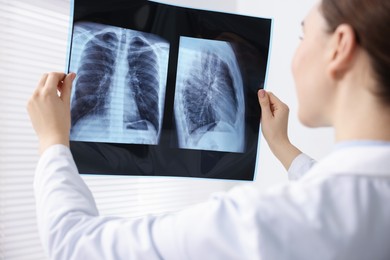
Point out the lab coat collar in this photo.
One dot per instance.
(355, 158)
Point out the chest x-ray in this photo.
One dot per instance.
(165, 90)
(119, 91)
(209, 97)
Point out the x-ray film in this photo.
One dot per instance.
(165, 90)
(119, 91)
(209, 97)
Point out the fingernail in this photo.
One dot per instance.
(72, 75)
(262, 93)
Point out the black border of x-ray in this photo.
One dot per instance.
(171, 22)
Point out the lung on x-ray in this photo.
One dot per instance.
(165, 90)
(119, 92)
(209, 98)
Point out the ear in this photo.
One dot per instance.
(341, 50)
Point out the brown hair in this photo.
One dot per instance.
(370, 20)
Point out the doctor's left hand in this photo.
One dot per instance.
(49, 110)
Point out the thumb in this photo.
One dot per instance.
(67, 87)
(264, 103)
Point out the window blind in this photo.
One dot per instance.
(33, 40)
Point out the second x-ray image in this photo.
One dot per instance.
(119, 91)
(209, 97)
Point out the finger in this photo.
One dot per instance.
(66, 87)
(276, 103)
(40, 85)
(264, 103)
(42, 81)
(274, 99)
(53, 81)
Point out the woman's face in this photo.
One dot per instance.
(309, 71)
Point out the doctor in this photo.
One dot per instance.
(337, 209)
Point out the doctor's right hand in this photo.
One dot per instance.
(274, 125)
(49, 109)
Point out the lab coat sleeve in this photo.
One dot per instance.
(68, 220)
(300, 166)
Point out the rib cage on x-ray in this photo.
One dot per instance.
(120, 88)
(95, 76)
(209, 96)
(209, 99)
(143, 69)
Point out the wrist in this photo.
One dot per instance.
(279, 145)
(285, 152)
(47, 142)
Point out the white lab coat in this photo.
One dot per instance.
(340, 209)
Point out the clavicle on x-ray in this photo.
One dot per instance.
(120, 88)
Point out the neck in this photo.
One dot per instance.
(361, 116)
(373, 128)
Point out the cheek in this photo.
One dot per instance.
(299, 73)
(299, 66)
(305, 68)
(296, 62)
